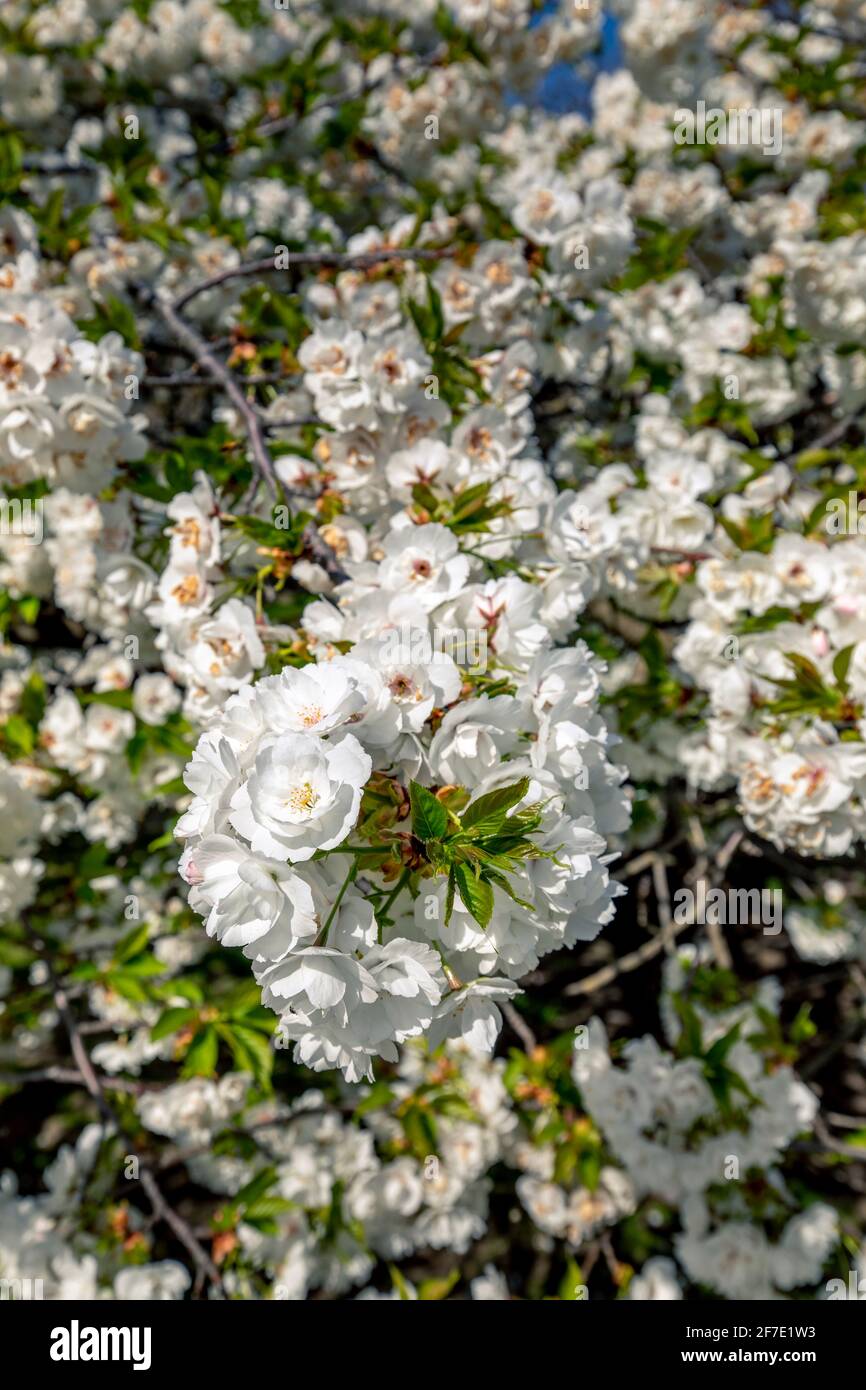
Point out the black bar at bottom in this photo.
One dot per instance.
(216, 1337)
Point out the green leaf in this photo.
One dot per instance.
(807, 671)
(251, 1051)
(429, 817)
(487, 815)
(129, 988)
(161, 841)
(29, 608)
(449, 896)
(171, 1021)
(256, 1188)
(119, 318)
(201, 1058)
(244, 997)
(434, 1290)
(132, 944)
(589, 1168)
(720, 1049)
(476, 893)
(140, 967)
(19, 736)
(400, 1284)
(841, 666)
(32, 703)
(802, 1027)
(268, 1207)
(379, 1097)
(455, 1107)
(10, 162)
(502, 882)
(572, 1282)
(13, 954)
(93, 862)
(690, 1043)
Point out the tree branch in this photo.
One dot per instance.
(222, 375)
(336, 260)
(67, 1076)
(188, 337)
(93, 1083)
(182, 379)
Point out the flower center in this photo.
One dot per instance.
(310, 715)
(187, 590)
(302, 798)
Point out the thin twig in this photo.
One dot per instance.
(93, 1083)
(518, 1025)
(67, 1076)
(663, 899)
(190, 338)
(693, 556)
(263, 466)
(173, 1159)
(719, 946)
(831, 436)
(845, 1034)
(183, 379)
(34, 165)
(279, 124)
(297, 260)
(845, 1121)
(273, 426)
(628, 963)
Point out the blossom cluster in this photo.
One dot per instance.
(278, 788)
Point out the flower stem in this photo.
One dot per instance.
(350, 876)
(395, 891)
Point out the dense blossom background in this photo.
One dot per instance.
(432, 727)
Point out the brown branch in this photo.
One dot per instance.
(693, 555)
(830, 436)
(335, 260)
(34, 164)
(195, 345)
(183, 379)
(279, 124)
(191, 339)
(700, 870)
(94, 1085)
(263, 466)
(518, 1025)
(274, 426)
(67, 1076)
(628, 963)
(173, 1158)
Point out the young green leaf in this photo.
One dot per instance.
(487, 815)
(449, 896)
(476, 893)
(201, 1058)
(171, 1021)
(429, 817)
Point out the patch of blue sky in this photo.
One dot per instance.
(567, 88)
